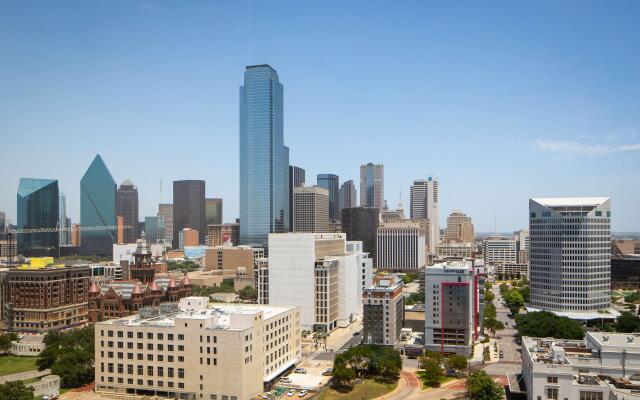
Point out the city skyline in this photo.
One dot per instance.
(563, 106)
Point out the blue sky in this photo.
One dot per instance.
(502, 101)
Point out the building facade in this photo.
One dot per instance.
(264, 159)
(98, 209)
(459, 228)
(315, 272)
(603, 366)
(499, 250)
(213, 211)
(194, 351)
(401, 247)
(63, 222)
(361, 224)
(452, 307)
(383, 311)
(188, 209)
(424, 195)
(331, 183)
(296, 179)
(220, 234)
(372, 185)
(41, 296)
(348, 196)
(127, 208)
(311, 209)
(38, 207)
(166, 212)
(569, 265)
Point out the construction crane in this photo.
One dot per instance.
(26, 231)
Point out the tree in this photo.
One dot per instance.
(490, 311)
(342, 375)
(493, 324)
(546, 324)
(487, 286)
(415, 298)
(16, 390)
(503, 288)
(524, 291)
(500, 276)
(456, 362)
(70, 355)
(632, 297)
(514, 300)
(489, 296)
(432, 373)
(5, 343)
(248, 293)
(75, 368)
(627, 323)
(480, 386)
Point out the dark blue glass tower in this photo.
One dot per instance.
(38, 207)
(97, 209)
(332, 184)
(264, 159)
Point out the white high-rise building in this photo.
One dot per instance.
(401, 246)
(424, 204)
(570, 250)
(499, 250)
(365, 263)
(451, 307)
(314, 271)
(62, 217)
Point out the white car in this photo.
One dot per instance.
(302, 393)
(285, 380)
(291, 392)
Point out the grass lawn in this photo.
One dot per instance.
(14, 364)
(368, 389)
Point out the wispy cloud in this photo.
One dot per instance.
(575, 147)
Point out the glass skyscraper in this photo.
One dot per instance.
(264, 159)
(38, 207)
(98, 209)
(372, 185)
(332, 184)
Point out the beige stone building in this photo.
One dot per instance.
(459, 228)
(232, 260)
(311, 209)
(197, 351)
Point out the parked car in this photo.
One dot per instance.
(285, 380)
(291, 392)
(327, 372)
(300, 371)
(302, 393)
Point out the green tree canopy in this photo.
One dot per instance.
(69, 354)
(480, 386)
(15, 390)
(432, 372)
(456, 362)
(627, 323)
(248, 293)
(546, 324)
(514, 300)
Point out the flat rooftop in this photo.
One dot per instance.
(570, 201)
(221, 314)
(450, 265)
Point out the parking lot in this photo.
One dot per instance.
(312, 380)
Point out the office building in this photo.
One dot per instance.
(310, 209)
(188, 237)
(315, 272)
(213, 211)
(127, 208)
(401, 247)
(623, 247)
(459, 228)
(499, 250)
(166, 211)
(154, 229)
(188, 209)
(38, 207)
(197, 351)
(364, 261)
(231, 260)
(522, 246)
(220, 234)
(383, 311)
(63, 235)
(625, 271)
(75, 236)
(570, 251)
(372, 185)
(602, 366)
(452, 307)
(264, 159)
(98, 209)
(331, 183)
(425, 205)
(361, 224)
(348, 196)
(296, 179)
(456, 250)
(58, 301)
